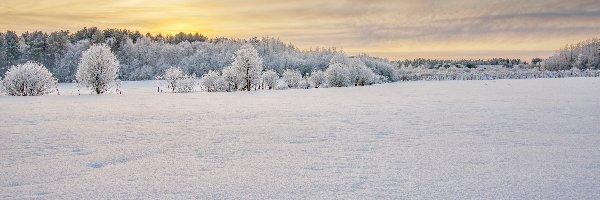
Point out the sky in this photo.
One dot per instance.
(394, 29)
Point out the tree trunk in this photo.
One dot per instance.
(248, 78)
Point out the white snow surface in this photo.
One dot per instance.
(500, 139)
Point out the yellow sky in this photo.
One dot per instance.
(393, 29)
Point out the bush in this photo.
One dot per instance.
(360, 75)
(186, 84)
(292, 78)
(179, 82)
(29, 79)
(303, 84)
(213, 82)
(281, 85)
(317, 79)
(337, 75)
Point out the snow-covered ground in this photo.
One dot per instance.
(502, 139)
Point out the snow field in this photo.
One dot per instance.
(500, 139)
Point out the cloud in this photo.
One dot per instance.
(389, 26)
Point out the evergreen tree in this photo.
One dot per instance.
(12, 48)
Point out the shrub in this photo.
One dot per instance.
(29, 79)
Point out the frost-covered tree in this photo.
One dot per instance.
(98, 68)
(317, 79)
(303, 84)
(213, 82)
(233, 79)
(172, 75)
(581, 62)
(269, 79)
(536, 61)
(575, 71)
(292, 78)
(248, 64)
(380, 67)
(178, 81)
(29, 79)
(338, 75)
(186, 84)
(281, 85)
(359, 74)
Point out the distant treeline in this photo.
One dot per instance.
(583, 55)
(468, 63)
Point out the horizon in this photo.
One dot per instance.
(410, 29)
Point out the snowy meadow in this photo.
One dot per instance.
(507, 139)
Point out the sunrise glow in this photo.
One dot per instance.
(394, 29)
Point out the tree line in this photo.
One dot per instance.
(146, 56)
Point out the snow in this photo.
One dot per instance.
(500, 139)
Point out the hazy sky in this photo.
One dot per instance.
(393, 29)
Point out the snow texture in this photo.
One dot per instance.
(498, 139)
